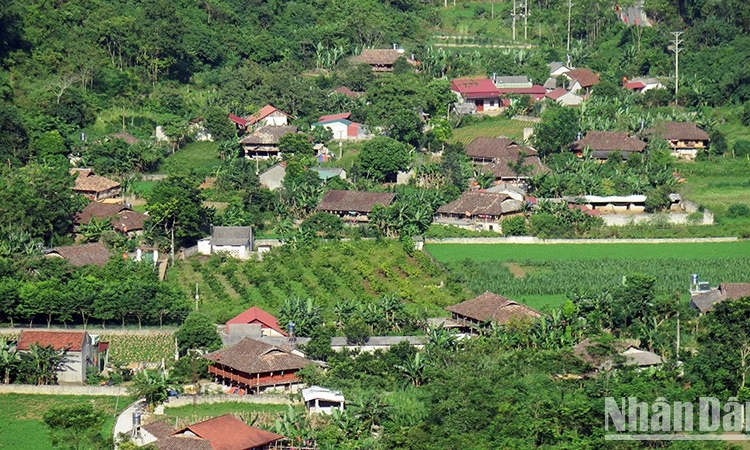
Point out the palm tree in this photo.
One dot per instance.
(45, 363)
(414, 369)
(8, 359)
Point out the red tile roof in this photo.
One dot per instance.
(536, 91)
(475, 88)
(554, 94)
(332, 117)
(71, 341)
(346, 91)
(256, 315)
(356, 201)
(584, 77)
(633, 85)
(254, 357)
(84, 254)
(490, 307)
(237, 119)
(229, 433)
(263, 113)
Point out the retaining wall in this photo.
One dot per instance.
(111, 391)
(535, 240)
(262, 399)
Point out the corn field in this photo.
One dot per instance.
(142, 347)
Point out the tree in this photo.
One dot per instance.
(296, 144)
(304, 313)
(323, 224)
(40, 364)
(405, 126)
(8, 360)
(151, 386)
(198, 332)
(558, 128)
(14, 140)
(75, 426)
(216, 122)
(176, 208)
(382, 157)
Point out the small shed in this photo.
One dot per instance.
(320, 400)
(236, 241)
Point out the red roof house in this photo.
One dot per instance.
(268, 324)
(222, 433)
(536, 92)
(332, 117)
(269, 115)
(482, 92)
(582, 80)
(80, 348)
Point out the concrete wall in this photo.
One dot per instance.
(262, 399)
(112, 391)
(534, 240)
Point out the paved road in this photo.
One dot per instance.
(124, 422)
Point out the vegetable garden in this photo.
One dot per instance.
(362, 271)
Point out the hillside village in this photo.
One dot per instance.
(372, 225)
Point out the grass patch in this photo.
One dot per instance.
(142, 189)
(717, 184)
(491, 127)
(21, 415)
(199, 157)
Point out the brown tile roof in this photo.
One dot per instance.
(490, 307)
(268, 135)
(678, 131)
(71, 341)
(229, 433)
(609, 141)
(557, 93)
(359, 201)
(182, 442)
(501, 168)
(500, 147)
(251, 356)
(346, 91)
(84, 254)
(476, 203)
(86, 181)
(705, 301)
(99, 210)
(380, 57)
(159, 429)
(584, 77)
(128, 221)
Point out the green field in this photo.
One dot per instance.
(544, 274)
(260, 415)
(21, 426)
(491, 127)
(199, 157)
(717, 184)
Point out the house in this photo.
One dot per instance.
(481, 92)
(685, 139)
(354, 206)
(254, 366)
(381, 60)
(595, 204)
(127, 137)
(498, 155)
(478, 210)
(82, 351)
(343, 90)
(642, 85)
(490, 308)
(263, 143)
(269, 116)
(606, 356)
(326, 173)
(483, 150)
(518, 85)
(373, 343)
(239, 122)
(93, 186)
(322, 400)
(557, 68)
(123, 219)
(197, 129)
(273, 177)
(220, 433)
(641, 358)
(705, 300)
(564, 97)
(93, 253)
(268, 324)
(581, 80)
(236, 241)
(604, 143)
(342, 128)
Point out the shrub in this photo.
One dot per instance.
(741, 149)
(738, 210)
(515, 226)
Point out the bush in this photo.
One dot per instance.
(738, 210)
(515, 226)
(741, 149)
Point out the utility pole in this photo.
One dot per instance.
(570, 7)
(514, 20)
(675, 47)
(525, 20)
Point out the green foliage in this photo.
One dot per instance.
(738, 210)
(198, 332)
(150, 386)
(297, 144)
(356, 331)
(515, 226)
(75, 426)
(559, 127)
(323, 224)
(176, 206)
(382, 157)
